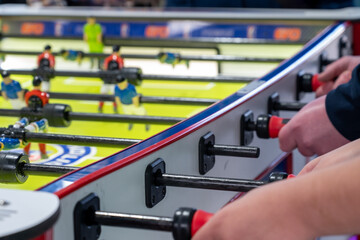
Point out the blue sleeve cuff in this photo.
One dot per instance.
(343, 107)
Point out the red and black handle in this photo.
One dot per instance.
(308, 82)
(184, 224)
(268, 126)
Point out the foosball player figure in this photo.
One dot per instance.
(112, 63)
(37, 99)
(172, 58)
(11, 91)
(12, 143)
(46, 62)
(72, 55)
(127, 97)
(92, 34)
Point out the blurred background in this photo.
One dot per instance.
(324, 4)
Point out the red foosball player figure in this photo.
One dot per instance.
(46, 62)
(37, 99)
(112, 63)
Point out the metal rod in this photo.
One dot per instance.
(194, 42)
(326, 62)
(60, 73)
(19, 113)
(45, 170)
(134, 221)
(81, 96)
(224, 79)
(10, 112)
(123, 118)
(250, 126)
(224, 58)
(216, 58)
(223, 184)
(288, 106)
(79, 116)
(178, 100)
(143, 99)
(171, 43)
(80, 140)
(236, 151)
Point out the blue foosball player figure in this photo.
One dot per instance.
(72, 55)
(127, 97)
(11, 91)
(172, 58)
(12, 143)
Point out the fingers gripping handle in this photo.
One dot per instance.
(315, 83)
(199, 219)
(275, 125)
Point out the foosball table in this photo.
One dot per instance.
(202, 150)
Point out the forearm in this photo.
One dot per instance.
(325, 202)
(337, 198)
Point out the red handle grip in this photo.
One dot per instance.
(315, 83)
(199, 219)
(275, 125)
(291, 176)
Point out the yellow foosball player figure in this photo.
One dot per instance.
(93, 36)
(11, 91)
(127, 97)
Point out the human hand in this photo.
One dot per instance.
(339, 70)
(347, 152)
(257, 216)
(311, 131)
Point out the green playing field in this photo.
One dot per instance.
(80, 156)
